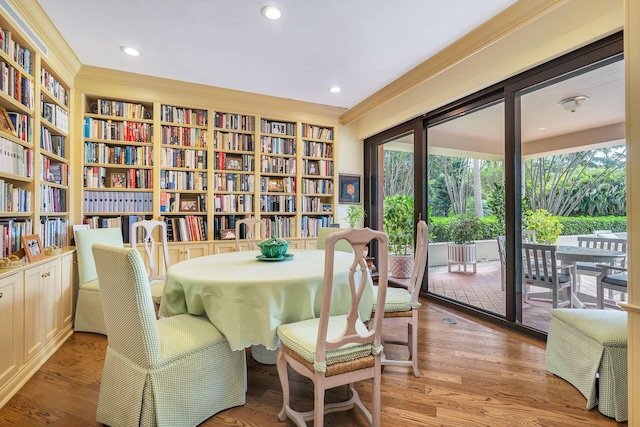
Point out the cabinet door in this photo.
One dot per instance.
(68, 278)
(51, 291)
(176, 254)
(11, 303)
(196, 250)
(33, 311)
(225, 247)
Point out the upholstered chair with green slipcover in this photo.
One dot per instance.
(401, 305)
(176, 371)
(89, 316)
(342, 246)
(337, 350)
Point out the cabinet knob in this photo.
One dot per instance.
(1, 294)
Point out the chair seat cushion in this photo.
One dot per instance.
(608, 327)
(301, 338)
(562, 278)
(588, 266)
(157, 289)
(90, 286)
(397, 299)
(619, 279)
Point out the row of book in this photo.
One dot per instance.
(14, 199)
(183, 180)
(314, 205)
(98, 152)
(233, 202)
(277, 145)
(233, 182)
(106, 107)
(54, 231)
(186, 116)
(317, 149)
(317, 186)
(15, 159)
(186, 137)
(282, 128)
(233, 141)
(50, 83)
(239, 162)
(274, 203)
(317, 167)
(270, 164)
(52, 199)
(234, 121)
(190, 228)
(118, 130)
(22, 125)
(96, 177)
(316, 132)
(173, 202)
(117, 201)
(18, 53)
(17, 86)
(280, 226)
(11, 231)
(310, 225)
(57, 173)
(179, 158)
(54, 144)
(55, 114)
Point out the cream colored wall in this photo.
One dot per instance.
(349, 160)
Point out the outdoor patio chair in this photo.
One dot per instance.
(250, 225)
(540, 269)
(338, 350)
(612, 278)
(502, 241)
(591, 268)
(529, 236)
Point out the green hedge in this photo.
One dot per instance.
(439, 230)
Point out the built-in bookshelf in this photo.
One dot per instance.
(118, 162)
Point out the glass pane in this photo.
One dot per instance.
(466, 207)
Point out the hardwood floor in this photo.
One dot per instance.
(473, 374)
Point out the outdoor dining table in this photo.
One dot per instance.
(247, 298)
(573, 254)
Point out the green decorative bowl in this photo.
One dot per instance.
(273, 247)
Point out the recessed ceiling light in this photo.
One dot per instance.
(271, 12)
(334, 89)
(130, 50)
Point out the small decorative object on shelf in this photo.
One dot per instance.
(11, 261)
(52, 250)
(32, 247)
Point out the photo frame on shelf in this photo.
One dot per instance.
(313, 168)
(32, 247)
(326, 207)
(276, 185)
(6, 125)
(227, 234)
(188, 205)
(349, 188)
(233, 163)
(118, 180)
(278, 128)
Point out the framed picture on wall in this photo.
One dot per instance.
(349, 188)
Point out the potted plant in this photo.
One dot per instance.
(355, 214)
(398, 224)
(463, 230)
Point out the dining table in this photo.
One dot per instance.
(573, 254)
(247, 297)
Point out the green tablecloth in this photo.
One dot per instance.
(247, 299)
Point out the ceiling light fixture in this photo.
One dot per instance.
(130, 50)
(334, 89)
(271, 12)
(573, 103)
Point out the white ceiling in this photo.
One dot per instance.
(360, 45)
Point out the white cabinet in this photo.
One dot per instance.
(183, 252)
(68, 283)
(11, 332)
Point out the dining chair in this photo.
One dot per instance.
(342, 246)
(502, 242)
(145, 231)
(89, 315)
(541, 269)
(401, 305)
(584, 268)
(340, 349)
(612, 278)
(529, 236)
(178, 370)
(250, 225)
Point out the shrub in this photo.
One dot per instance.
(465, 228)
(547, 226)
(398, 223)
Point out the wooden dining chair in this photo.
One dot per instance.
(612, 278)
(144, 232)
(401, 306)
(338, 350)
(592, 269)
(250, 225)
(541, 269)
